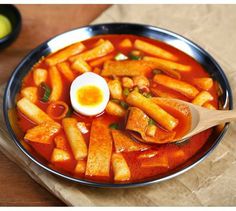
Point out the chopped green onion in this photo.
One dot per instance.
(136, 89)
(151, 122)
(115, 101)
(69, 112)
(124, 104)
(156, 71)
(147, 95)
(46, 92)
(114, 126)
(126, 92)
(120, 57)
(133, 57)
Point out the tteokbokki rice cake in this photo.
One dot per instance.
(78, 107)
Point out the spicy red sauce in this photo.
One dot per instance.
(137, 172)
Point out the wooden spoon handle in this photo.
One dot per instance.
(209, 118)
(217, 117)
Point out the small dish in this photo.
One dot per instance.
(13, 15)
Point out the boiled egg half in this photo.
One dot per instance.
(89, 94)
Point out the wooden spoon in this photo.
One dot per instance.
(202, 119)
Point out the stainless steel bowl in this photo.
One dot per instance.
(86, 32)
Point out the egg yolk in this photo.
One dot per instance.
(89, 95)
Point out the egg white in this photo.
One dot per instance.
(89, 79)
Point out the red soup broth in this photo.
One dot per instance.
(176, 154)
